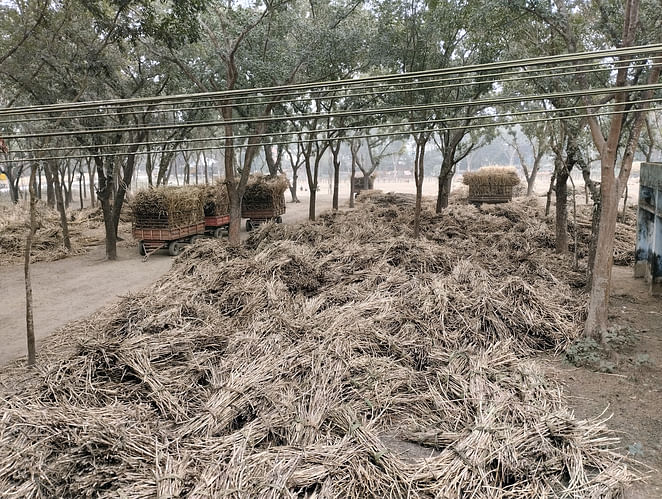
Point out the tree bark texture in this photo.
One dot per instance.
(562, 210)
(91, 173)
(444, 191)
(29, 316)
(80, 190)
(103, 195)
(596, 321)
(50, 191)
(335, 152)
(419, 174)
(60, 205)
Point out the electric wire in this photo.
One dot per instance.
(310, 140)
(508, 115)
(377, 90)
(352, 113)
(555, 59)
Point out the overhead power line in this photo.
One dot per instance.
(479, 103)
(506, 119)
(411, 118)
(377, 89)
(315, 133)
(228, 94)
(521, 75)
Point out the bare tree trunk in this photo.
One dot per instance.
(125, 182)
(104, 193)
(36, 167)
(419, 174)
(574, 217)
(295, 169)
(68, 188)
(596, 321)
(39, 184)
(13, 185)
(593, 245)
(271, 162)
(562, 210)
(351, 184)
(80, 189)
(311, 205)
(149, 166)
(312, 175)
(335, 152)
(197, 166)
(548, 204)
(91, 173)
(233, 193)
(187, 168)
(353, 150)
(60, 205)
(625, 204)
(336, 182)
(50, 190)
(312, 187)
(531, 181)
(293, 188)
(29, 316)
(444, 191)
(204, 159)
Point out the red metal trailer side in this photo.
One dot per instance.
(154, 238)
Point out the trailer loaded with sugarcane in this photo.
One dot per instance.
(491, 184)
(216, 206)
(363, 183)
(264, 200)
(167, 218)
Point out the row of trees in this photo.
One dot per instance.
(70, 51)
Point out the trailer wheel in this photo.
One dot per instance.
(141, 248)
(219, 232)
(175, 248)
(195, 239)
(279, 219)
(249, 225)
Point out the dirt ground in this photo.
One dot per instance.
(66, 290)
(631, 393)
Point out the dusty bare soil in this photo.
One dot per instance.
(632, 393)
(68, 289)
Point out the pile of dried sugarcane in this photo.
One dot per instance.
(624, 238)
(47, 244)
(333, 359)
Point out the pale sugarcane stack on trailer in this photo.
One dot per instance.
(491, 184)
(363, 183)
(167, 217)
(216, 205)
(264, 200)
